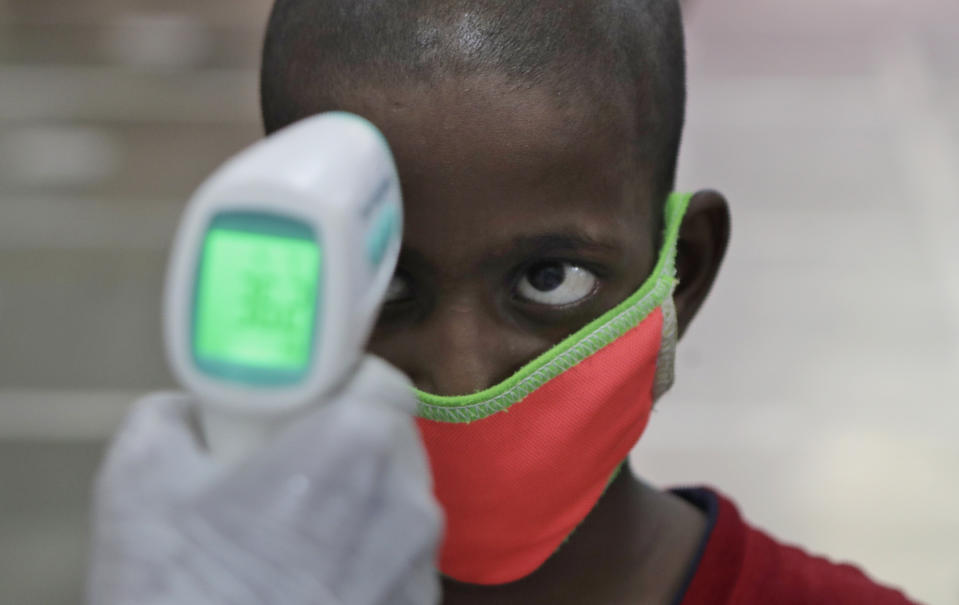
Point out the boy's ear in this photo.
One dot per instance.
(703, 237)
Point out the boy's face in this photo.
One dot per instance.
(524, 220)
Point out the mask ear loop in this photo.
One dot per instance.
(666, 359)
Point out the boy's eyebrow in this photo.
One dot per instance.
(571, 240)
(564, 240)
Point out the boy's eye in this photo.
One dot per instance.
(556, 283)
(398, 290)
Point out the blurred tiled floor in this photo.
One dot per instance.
(818, 387)
(44, 526)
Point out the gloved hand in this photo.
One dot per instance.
(337, 510)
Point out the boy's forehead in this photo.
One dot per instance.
(483, 158)
(491, 119)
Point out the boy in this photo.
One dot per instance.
(537, 142)
(548, 122)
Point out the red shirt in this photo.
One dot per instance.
(741, 565)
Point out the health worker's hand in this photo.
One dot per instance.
(338, 510)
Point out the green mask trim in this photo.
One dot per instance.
(574, 348)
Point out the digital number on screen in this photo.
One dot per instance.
(256, 300)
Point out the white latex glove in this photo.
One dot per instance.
(337, 510)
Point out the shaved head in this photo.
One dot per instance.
(618, 62)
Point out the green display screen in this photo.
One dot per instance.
(255, 301)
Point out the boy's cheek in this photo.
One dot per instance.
(455, 359)
(457, 352)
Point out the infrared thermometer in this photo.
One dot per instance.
(279, 265)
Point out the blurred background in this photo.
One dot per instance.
(818, 387)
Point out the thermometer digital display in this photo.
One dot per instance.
(257, 288)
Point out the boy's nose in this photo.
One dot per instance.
(464, 349)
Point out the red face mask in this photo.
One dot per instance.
(519, 465)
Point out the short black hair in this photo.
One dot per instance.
(624, 51)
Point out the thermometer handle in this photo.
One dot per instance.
(232, 436)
